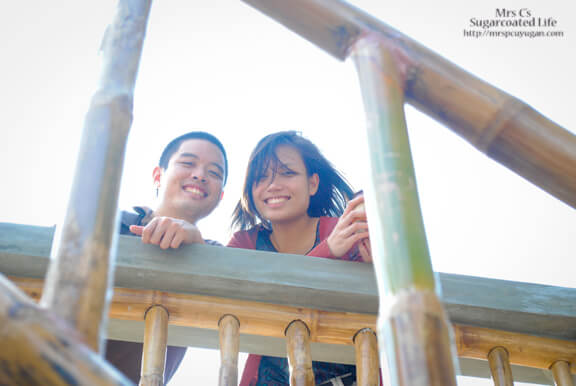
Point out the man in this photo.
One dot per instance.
(189, 181)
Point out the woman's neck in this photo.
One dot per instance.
(295, 237)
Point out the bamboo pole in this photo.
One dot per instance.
(499, 362)
(413, 328)
(154, 351)
(38, 349)
(366, 358)
(229, 332)
(561, 373)
(299, 357)
(503, 127)
(82, 264)
(270, 320)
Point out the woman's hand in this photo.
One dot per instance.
(351, 228)
(168, 232)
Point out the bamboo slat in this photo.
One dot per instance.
(505, 128)
(299, 357)
(413, 328)
(500, 367)
(81, 269)
(37, 348)
(367, 365)
(266, 319)
(561, 373)
(154, 351)
(229, 333)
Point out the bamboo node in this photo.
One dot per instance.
(507, 111)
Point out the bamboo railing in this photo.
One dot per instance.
(58, 341)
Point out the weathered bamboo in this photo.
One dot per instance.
(299, 357)
(561, 373)
(37, 348)
(78, 278)
(154, 351)
(503, 127)
(413, 328)
(229, 333)
(499, 362)
(270, 320)
(367, 366)
(531, 351)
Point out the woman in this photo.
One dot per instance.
(291, 202)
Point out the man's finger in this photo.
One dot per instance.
(168, 236)
(177, 240)
(137, 229)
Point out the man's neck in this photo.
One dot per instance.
(166, 211)
(296, 237)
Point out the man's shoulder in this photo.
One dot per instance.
(213, 242)
(138, 216)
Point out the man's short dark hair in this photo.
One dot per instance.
(174, 145)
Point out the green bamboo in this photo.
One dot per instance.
(81, 270)
(413, 326)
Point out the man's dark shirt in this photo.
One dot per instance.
(127, 356)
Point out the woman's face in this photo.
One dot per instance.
(284, 196)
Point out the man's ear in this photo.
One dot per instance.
(221, 195)
(156, 176)
(313, 183)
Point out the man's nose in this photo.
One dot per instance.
(199, 174)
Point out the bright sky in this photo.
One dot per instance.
(223, 67)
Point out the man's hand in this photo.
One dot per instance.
(168, 232)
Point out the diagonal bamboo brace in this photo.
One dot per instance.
(413, 327)
(501, 126)
(155, 343)
(500, 367)
(229, 332)
(367, 365)
(37, 348)
(299, 357)
(78, 281)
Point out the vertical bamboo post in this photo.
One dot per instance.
(500, 367)
(366, 358)
(413, 328)
(82, 264)
(155, 342)
(299, 357)
(561, 373)
(229, 331)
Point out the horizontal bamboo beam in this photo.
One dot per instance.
(294, 280)
(528, 350)
(37, 348)
(501, 126)
(339, 328)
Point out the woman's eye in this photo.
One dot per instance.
(288, 173)
(215, 174)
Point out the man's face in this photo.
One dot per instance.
(191, 186)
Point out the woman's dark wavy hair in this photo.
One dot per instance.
(333, 191)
